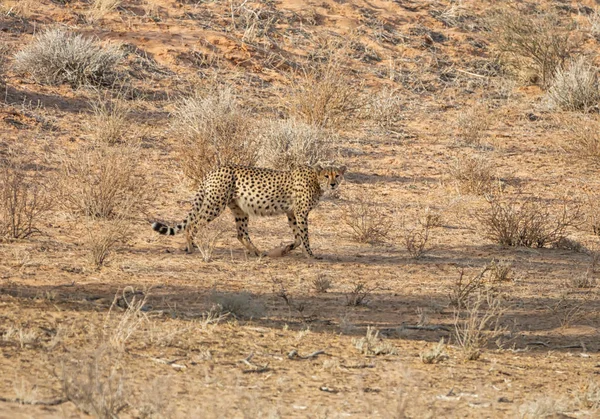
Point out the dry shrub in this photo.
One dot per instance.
(57, 56)
(575, 87)
(367, 219)
(501, 271)
(103, 182)
(213, 130)
(474, 174)
(372, 344)
(110, 122)
(472, 124)
(103, 237)
(322, 284)
(589, 397)
(477, 325)
(583, 137)
(465, 286)
(324, 97)
(532, 47)
(23, 199)
(358, 295)
(96, 383)
(416, 237)
(528, 222)
(385, 109)
(285, 144)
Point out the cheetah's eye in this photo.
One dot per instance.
(337, 176)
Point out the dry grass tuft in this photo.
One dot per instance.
(110, 122)
(358, 295)
(435, 355)
(103, 237)
(372, 344)
(322, 284)
(23, 199)
(532, 47)
(324, 97)
(583, 139)
(464, 287)
(477, 325)
(416, 238)
(96, 383)
(214, 131)
(285, 144)
(57, 56)
(575, 87)
(208, 236)
(472, 124)
(385, 109)
(100, 8)
(527, 223)
(367, 219)
(589, 397)
(474, 175)
(103, 182)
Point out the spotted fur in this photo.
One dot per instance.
(258, 192)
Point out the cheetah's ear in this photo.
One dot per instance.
(342, 169)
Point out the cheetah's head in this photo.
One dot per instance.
(330, 175)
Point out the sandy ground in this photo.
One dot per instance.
(292, 351)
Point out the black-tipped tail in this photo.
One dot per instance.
(163, 229)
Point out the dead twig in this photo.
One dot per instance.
(54, 402)
(295, 355)
(257, 369)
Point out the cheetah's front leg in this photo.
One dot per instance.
(302, 221)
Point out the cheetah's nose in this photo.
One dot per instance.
(332, 185)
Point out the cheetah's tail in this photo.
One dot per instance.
(168, 230)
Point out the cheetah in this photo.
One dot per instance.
(258, 192)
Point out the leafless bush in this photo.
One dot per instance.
(501, 270)
(240, 304)
(324, 97)
(110, 121)
(23, 200)
(367, 219)
(116, 334)
(574, 307)
(213, 130)
(95, 383)
(474, 174)
(285, 144)
(465, 287)
(372, 344)
(528, 223)
(57, 56)
(103, 182)
(477, 325)
(416, 238)
(472, 123)
(359, 293)
(103, 237)
(575, 87)
(533, 47)
(322, 284)
(435, 355)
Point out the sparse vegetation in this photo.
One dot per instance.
(372, 344)
(99, 8)
(285, 144)
(324, 97)
(466, 286)
(359, 293)
(110, 121)
(103, 182)
(56, 56)
(575, 87)
(532, 46)
(434, 355)
(24, 199)
(474, 174)
(528, 222)
(103, 237)
(477, 325)
(214, 130)
(416, 238)
(322, 284)
(208, 236)
(472, 124)
(367, 219)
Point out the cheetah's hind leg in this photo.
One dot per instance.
(241, 225)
